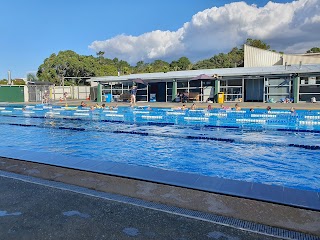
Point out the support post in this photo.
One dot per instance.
(216, 89)
(174, 90)
(99, 93)
(296, 86)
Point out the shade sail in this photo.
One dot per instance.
(139, 80)
(202, 77)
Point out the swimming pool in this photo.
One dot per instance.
(278, 148)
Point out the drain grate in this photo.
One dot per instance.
(222, 220)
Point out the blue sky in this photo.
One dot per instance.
(147, 30)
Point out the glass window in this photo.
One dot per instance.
(233, 90)
(278, 81)
(182, 84)
(279, 90)
(236, 82)
(196, 83)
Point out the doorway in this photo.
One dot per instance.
(159, 89)
(253, 90)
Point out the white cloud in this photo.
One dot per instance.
(289, 27)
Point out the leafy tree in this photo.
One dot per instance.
(3, 82)
(182, 64)
(140, 67)
(257, 43)
(236, 56)
(149, 68)
(160, 66)
(70, 64)
(314, 50)
(18, 82)
(100, 55)
(31, 77)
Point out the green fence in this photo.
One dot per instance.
(11, 93)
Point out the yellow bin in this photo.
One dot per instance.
(221, 97)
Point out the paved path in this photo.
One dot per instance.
(33, 211)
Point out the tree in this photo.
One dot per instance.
(100, 55)
(3, 82)
(257, 43)
(160, 66)
(314, 50)
(182, 64)
(31, 77)
(69, 64)
(18, 82)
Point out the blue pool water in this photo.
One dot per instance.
(277, 148)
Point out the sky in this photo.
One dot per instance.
(147, 30)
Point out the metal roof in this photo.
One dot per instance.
(221, 72)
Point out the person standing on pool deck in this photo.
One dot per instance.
(133, 95)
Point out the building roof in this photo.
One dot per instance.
(224, 73)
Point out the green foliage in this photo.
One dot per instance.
(3, 82)
(182, 64)
(160, 66)
(314, 50)
(31, 77)
(257, 43)
(70, 64)
(232, 59)
(18, 82)
(100, 56)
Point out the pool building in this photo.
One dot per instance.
(266, 77)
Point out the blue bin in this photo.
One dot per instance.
(108, 97)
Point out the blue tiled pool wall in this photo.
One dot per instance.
(281, 120)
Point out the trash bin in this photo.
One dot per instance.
(108, 97)
(221, 97)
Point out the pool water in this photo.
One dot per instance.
(264, 154)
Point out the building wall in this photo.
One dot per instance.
(296, 59)
(73, 92)
(256, 57)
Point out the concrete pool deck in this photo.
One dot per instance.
(32, 208)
